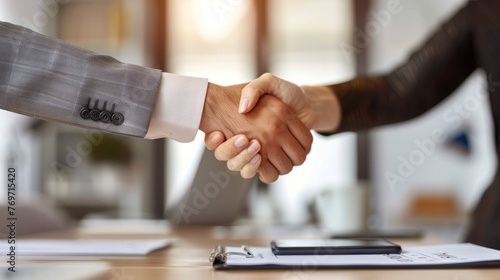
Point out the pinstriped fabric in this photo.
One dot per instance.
(46, 78)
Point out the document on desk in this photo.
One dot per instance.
(50, 247)
(66, 270)
(436, 256)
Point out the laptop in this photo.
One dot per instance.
(217, 196)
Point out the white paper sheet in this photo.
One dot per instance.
(59, 271)
(437, 255)
(130, 247)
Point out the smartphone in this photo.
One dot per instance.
(333, 247)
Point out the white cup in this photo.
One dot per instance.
(342, 209)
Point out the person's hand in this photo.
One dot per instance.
(289, 93)
(317, 108)
(237, 151)
(241, 154)
(283, 138)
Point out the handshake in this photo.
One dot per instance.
(264, 126)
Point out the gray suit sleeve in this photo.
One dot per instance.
(48, 79)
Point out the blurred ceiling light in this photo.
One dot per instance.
(216, 19)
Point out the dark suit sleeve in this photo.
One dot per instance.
(432, 73)
(46, 78)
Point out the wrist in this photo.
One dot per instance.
(207, 116)
(220, 108)
(324, 106)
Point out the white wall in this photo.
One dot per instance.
(443, 170)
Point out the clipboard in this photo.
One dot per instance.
(462, 255)
(219, 255)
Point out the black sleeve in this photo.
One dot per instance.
(431, 74)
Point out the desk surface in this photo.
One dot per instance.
(188, 259)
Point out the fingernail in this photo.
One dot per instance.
(243, 106)
(217, 138)
(255, 159)
(240, 142)
(254, 147)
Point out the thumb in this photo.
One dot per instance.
(265, 84)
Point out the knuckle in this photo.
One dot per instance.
(267, 76)
(274, 126)
(310, 140)
(246, 174)
(218, 155)
(307, 144)
(282, 110)
(287, 169)
(248, 171)
(267, 173)
(284, 165)
(300, 158)
(231, 165)
(222, 154)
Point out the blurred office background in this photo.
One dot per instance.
(344, 183)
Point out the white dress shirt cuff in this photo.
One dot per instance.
(178, 108)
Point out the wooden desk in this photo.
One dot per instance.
(188, 259)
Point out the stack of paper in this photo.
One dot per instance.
(25, 247)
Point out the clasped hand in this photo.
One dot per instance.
(279, 129)
(280, 140)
